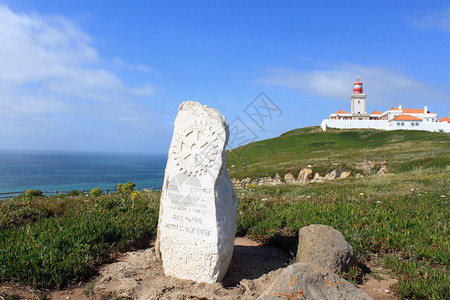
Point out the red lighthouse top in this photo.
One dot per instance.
(357, 87)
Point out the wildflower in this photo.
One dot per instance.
(361, 194)
(134, 195)
(443, 196)
(378, 201)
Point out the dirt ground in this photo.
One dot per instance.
(139, 275)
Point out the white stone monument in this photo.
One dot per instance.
(197, 220)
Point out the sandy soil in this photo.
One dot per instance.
(139, 275)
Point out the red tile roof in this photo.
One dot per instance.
(405, 118)
(446, 119)
(377, 112)
(394, 108)
(413, 110)
(342, 112)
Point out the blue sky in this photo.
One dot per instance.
(110, 75)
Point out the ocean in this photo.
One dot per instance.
(63, 171)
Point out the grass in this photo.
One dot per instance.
(403, 219)
(338, 149)
(54, 241)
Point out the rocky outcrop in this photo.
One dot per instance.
(317, 176)
(383, 169)
(368, 165)
(325, 247)
(345, 174)
(332, 175)
(289, 178)
(307, 281)
(277, 177)
(305, 174)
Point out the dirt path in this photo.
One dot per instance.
(139, 275)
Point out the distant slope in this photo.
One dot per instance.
(339, 149)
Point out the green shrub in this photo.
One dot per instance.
(73, 193)
(95, 192)
(33, 193)
(126, 188)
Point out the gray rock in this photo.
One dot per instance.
(306, 281)
(325, 247)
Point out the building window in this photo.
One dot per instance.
(359, 102)
(412, 124)
(403, 124)
(417, 124)
(398, 123)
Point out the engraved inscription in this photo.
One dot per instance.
(188, 229)
(184, 191)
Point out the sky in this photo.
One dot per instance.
(109, 76)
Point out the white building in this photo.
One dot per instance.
(394, 118)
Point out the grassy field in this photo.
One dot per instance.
(53, 241)
(400, 220)
(339, 149)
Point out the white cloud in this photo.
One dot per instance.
(433, 20)
(51, 76)
(383, 86)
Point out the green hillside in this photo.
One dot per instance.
(339, 149)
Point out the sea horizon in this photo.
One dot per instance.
(63, 171)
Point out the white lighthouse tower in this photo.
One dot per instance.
(358, 102)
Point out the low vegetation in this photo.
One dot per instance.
(399, 220)
(342, 150)
(402, 220)
(53, 241)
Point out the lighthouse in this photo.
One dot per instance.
(358, 102)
